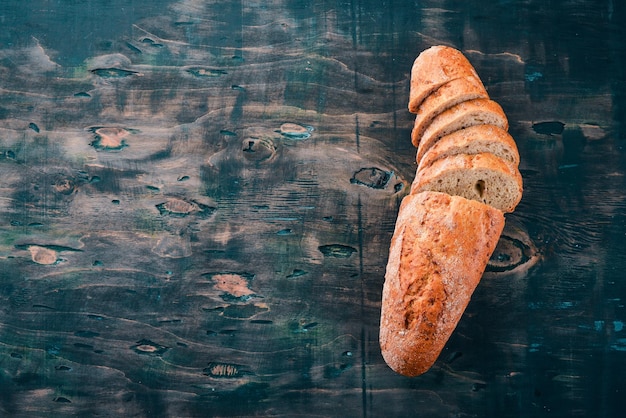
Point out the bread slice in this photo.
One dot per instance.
(433, 68)
(450, 94)
(439, 251)
(481, 177)
(460, 116)
(476, 139)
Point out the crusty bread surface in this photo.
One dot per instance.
(449, 225)
(481, 177)
(475, 139)
(434, 67)
(460, 116)
(452, 93)
(439, 250)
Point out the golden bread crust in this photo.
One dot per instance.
(433, 68)
(439, 251)
(448, 226)
(452, 93)
(473, 140)
(460, 116)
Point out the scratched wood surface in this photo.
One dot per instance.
(197, 199)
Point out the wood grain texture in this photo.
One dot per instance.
(197, 200)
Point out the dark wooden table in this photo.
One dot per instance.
(197, 199)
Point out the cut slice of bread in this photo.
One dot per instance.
(433, 68)
(460, 116)
(439, 250)
(481, 177)
(476, 139)
(452, 93)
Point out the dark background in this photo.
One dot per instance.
(219, 262)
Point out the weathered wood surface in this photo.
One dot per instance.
(197, 201)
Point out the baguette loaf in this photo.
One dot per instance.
(448, 226)
(439, 251)
(433, 68)
(452, 93)
(476, 139)
(460, 116)
(481, 177)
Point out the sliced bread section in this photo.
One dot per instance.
(433, 68)
(481, 177)
(452, 93)
(476, 139)
(460, 116)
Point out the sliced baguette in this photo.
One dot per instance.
(460, 116)
(481, 177)
(452, 93)
(475, 139)
(439, 251)
(433, 68)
